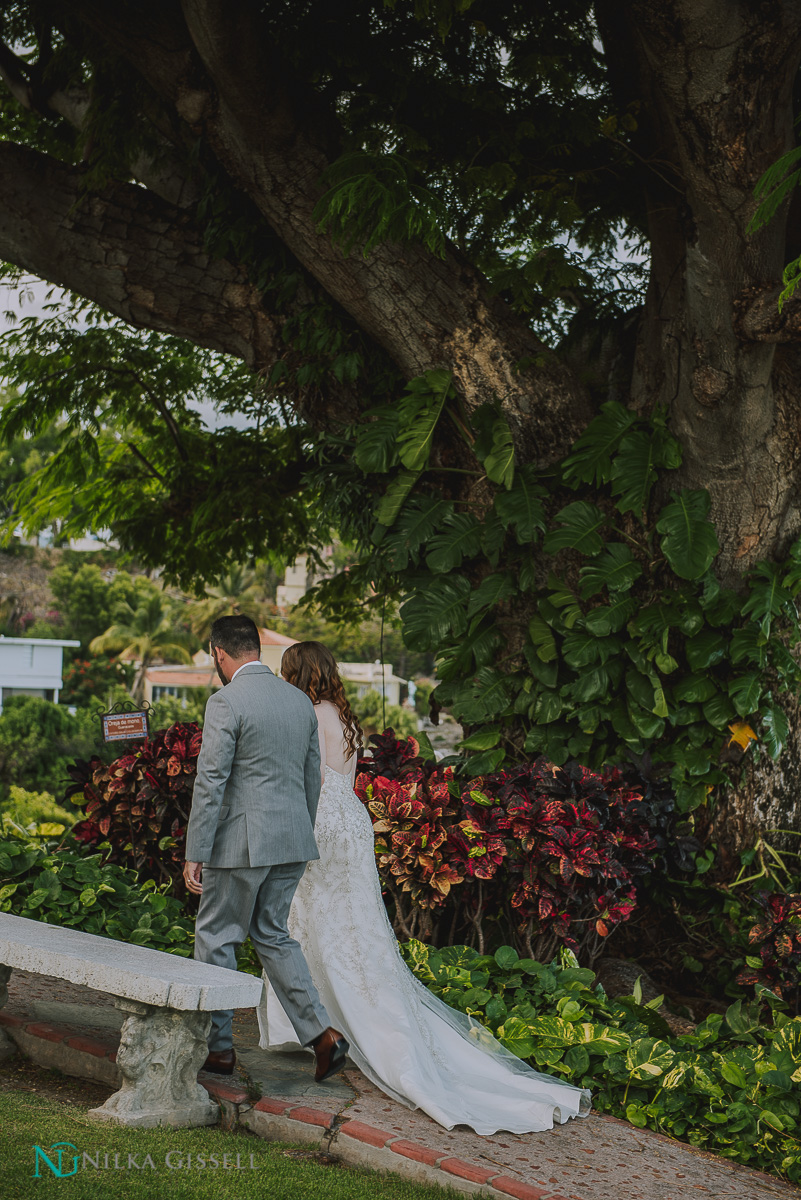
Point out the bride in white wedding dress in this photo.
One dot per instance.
(410, 1044)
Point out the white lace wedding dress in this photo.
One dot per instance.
(410, 1044)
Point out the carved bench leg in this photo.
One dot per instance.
(7, 1045)
(161, 1051)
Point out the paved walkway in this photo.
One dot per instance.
(76, 1030)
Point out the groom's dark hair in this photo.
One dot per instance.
(236, 635)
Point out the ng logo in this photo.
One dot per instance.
(57, 1168)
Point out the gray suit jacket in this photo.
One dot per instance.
(258, 775)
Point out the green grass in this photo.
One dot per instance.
(28, 1120)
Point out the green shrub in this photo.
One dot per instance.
(374, 715)
(172, 710)
(36, 808)
(87, 680)
(38, 741)
(67, 887)
(732, 1087)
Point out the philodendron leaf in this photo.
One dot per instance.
(745, 692)
(516, 1036)
(391, 502)
(460, 538)
(521, 507)
(615, 569)
(491, 591)
(591, 460)
(579, 525)
(776, 730)
(419, 410)
(483, 739)
(413, 527)
(434, 613)
(376, 439)
(500, 462)
(634, 472)
(544, 642)
(689, 541)
(649, 1058)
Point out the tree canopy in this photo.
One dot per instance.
(505, 319)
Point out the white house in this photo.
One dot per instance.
(31, 667)
(373, 677)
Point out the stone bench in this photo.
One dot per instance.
(169, 1001)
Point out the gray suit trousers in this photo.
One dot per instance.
(237, 901)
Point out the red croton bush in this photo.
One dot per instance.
(140, 804)
(777, 936)
(538, 856)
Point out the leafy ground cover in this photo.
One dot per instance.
(732, 1087)
(63, 885)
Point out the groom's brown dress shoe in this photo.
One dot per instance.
(221, 1062)
(330, 1050)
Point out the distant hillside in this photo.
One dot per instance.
(24, 588)
(24, 584)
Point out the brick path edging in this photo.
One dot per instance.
(354, 1142)
(364, 1145)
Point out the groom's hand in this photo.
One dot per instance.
(192, 872)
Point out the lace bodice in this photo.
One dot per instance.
(333, 747)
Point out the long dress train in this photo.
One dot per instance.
(409, 1043)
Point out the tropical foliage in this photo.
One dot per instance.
(615, 636)
(238, 591)
(137, 807)
(778, 938)
(732, 1086)
(133, 454)
(34, 810)
(38, 741)
(375, 714)
(87, 681)
(144, 633)
(540, 855)
(63, 885)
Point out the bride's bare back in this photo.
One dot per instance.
(333, 747)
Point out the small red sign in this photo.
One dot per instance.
(124, 726)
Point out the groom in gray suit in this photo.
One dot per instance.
(251, 833)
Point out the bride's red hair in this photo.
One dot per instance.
(311, 667)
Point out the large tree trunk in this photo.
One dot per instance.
(717, 81)
(717, 84)
(131, 252)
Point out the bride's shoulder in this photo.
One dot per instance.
(327, 710)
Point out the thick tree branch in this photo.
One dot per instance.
(168, 177)
(758, 318)
(131, 253)
(275, 139)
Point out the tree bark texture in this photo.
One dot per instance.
(274, 141)
(130, 252)
(715, 81)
